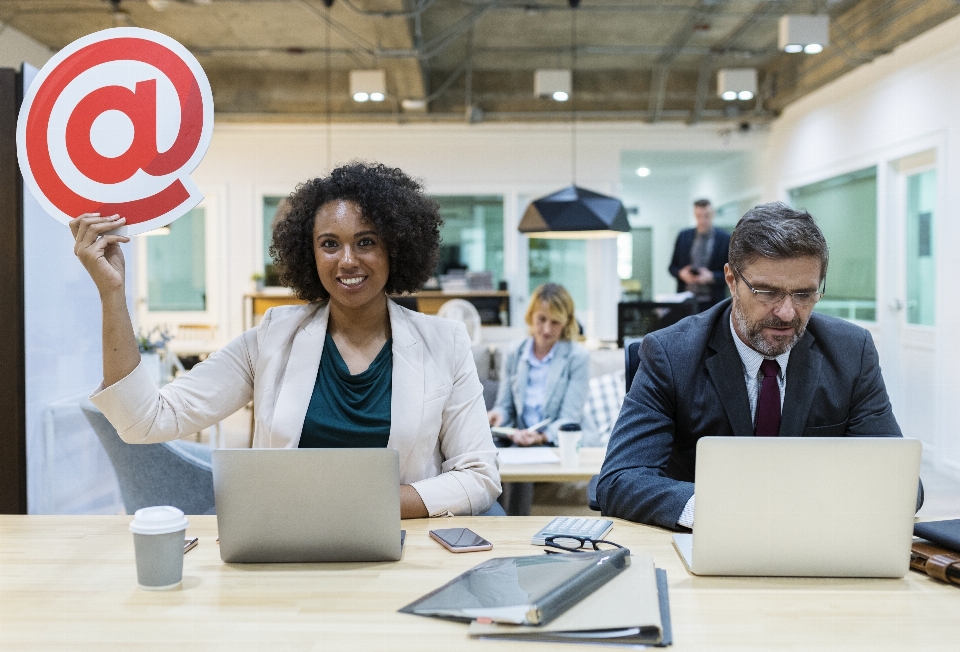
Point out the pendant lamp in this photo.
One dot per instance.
(575, 213)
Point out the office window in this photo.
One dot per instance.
(921, 275)
(271, 205)
(560, 261)
(635, 263)
(176, 266)
(471, 237)
(845, 208)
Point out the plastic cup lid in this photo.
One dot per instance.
(158, 520)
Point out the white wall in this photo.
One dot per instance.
(734, 181)
(665, 208)
(901, 104)
(520, 162)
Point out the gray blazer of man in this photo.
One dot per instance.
(690, 384)
(568, 383)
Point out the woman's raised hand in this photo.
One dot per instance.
(98, 251)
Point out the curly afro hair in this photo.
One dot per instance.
(407, 220)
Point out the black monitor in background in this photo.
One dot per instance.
(638, 318)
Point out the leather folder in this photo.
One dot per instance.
(939, 563)
(631, 609)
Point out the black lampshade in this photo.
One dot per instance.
(573, 212)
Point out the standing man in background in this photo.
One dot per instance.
(699, 257)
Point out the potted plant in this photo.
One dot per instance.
(152, 345)
(257, 279)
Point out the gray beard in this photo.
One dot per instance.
(755, 338)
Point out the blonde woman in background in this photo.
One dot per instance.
(545, 377)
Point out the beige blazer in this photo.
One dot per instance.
(438, 420)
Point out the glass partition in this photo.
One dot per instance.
(271, 205)
(921, 275)
(560, 261)
(176, 266)
(471, 238)
(845, 208)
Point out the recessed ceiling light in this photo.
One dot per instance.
(560, 96)
(361, 97)
(793, 48)
(643, 172)
(744, 95)
(729, 95)
(377, 97)
(813, 48)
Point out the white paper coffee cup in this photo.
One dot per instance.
(158, 544)
(569, 442)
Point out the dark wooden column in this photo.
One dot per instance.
(13, 422)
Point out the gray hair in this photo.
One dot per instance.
(776, 231)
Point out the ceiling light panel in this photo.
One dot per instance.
(808, 34)
(737, 83)
(552, 83)
(368, 85)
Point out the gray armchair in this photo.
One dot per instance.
(174, 473)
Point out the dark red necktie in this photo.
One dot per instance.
(768, 403)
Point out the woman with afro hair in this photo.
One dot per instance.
(350, 369)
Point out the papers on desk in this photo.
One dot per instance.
(631, 609)
(529, 455)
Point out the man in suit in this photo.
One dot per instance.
(735, 369)
(699, 256)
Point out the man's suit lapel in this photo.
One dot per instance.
(725, 369)
(803, 370)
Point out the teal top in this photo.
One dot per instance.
(349, 411)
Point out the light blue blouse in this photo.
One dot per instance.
(535, 398)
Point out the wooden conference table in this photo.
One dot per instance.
(69, 583)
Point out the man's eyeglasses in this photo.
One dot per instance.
(568, 543)
(773, 297)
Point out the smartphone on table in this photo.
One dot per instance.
(460, 539)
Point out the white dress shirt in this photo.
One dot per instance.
(751, 375)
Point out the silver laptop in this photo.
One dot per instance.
(803, 506)
(306, 505)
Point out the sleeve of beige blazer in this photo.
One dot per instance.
(438, 422)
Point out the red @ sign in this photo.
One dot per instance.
(114, 124)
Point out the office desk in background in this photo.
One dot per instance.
(490, 304)
(69, 583)
(591, 459)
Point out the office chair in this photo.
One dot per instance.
(631, 359)
(631, 355)
(177, 473)
(463, 311)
